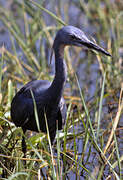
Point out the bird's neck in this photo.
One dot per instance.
(58, 83)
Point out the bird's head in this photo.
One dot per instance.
(72, 36)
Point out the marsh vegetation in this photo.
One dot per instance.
(90, 146)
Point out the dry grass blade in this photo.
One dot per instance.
(27, 30)
(117, 118)
(15, 58)
(52, 158)
(24, 159)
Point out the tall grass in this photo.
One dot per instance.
(89, 146)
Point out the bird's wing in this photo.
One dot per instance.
(22, 106)
(37, 87)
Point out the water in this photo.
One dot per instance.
(88, 77)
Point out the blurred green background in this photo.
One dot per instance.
(27, 31)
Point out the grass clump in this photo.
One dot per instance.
(90, 145)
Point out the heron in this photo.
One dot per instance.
(48, 96)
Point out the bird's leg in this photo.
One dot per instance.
(24, 147)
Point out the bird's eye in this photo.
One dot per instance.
(73, 37)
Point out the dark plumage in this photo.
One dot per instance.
(48, 96)
(22, 108)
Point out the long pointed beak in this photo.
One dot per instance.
(91, 45)
(94, 46)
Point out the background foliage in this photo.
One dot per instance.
(90, 145)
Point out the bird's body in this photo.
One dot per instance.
(49, 101)
(48, 96)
